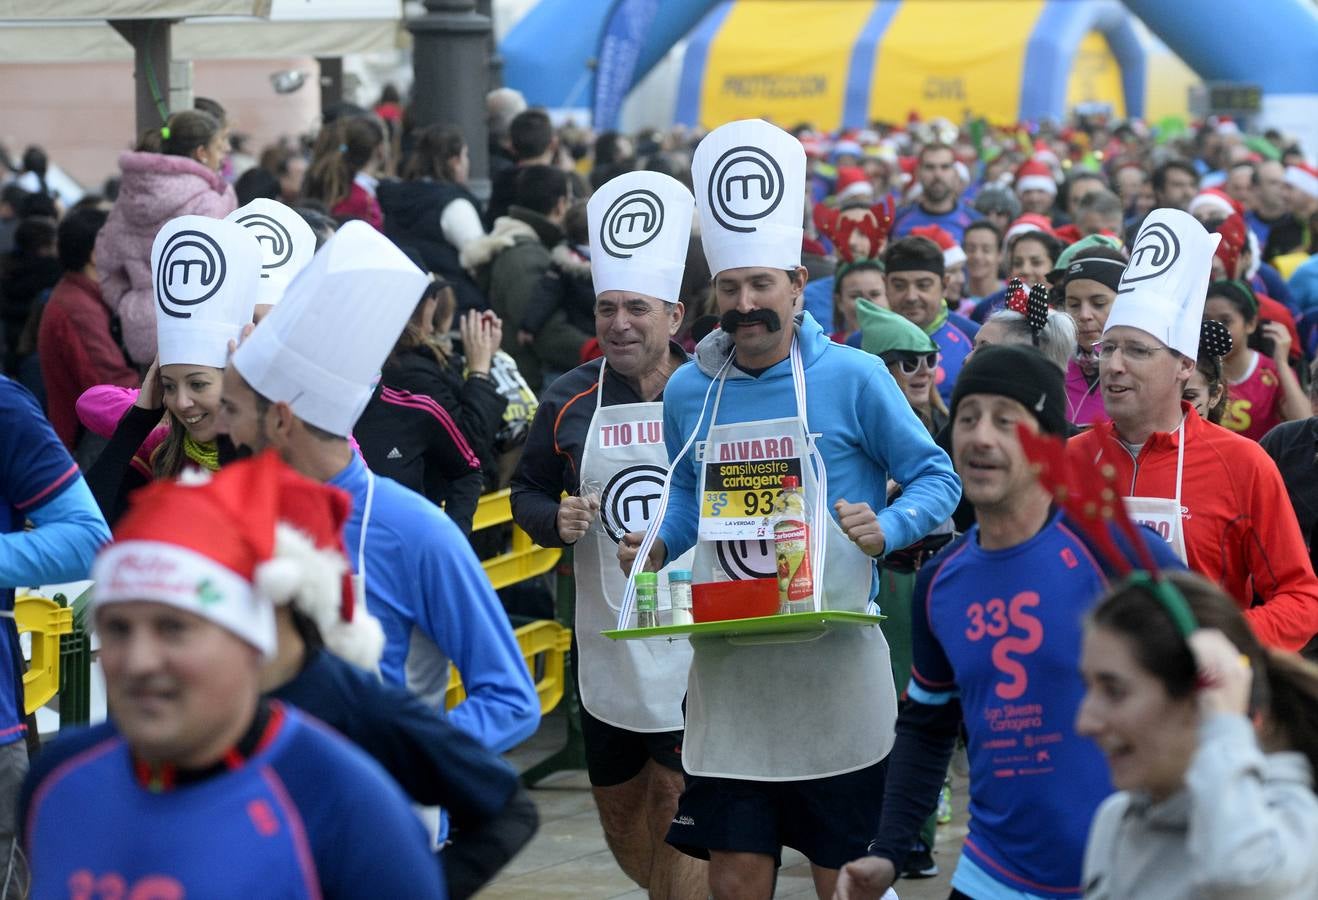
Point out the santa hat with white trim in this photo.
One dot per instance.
(1304, 177)
(309, 569)
(1216, 200)
(196, 545)
(1034, 175)
(952, 252)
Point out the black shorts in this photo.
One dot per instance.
(615, 755)
(830, 820)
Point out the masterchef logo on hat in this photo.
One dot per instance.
(633, 220)
(276, 243)
(189, 270)
(640, 226)
(1155, 251)
(286, 241)
(745, 185)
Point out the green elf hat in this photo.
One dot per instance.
(883, 331)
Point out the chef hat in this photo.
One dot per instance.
(750, 191)
(287, 244)
(204, 274)
(320, 349)
(1163, 288)
(640, 227)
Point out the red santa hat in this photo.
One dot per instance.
(1034, 175)
(309, 569)
(231, 546)
(197, 546)
(952, 253)
(1303, 177)
(1217, 200)
(852, 182)
(1026, 223)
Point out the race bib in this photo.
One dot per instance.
(741, 483)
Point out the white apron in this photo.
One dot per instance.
(798, 706)
(636, 685)
(1161, 514)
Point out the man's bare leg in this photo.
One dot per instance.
(741, 876)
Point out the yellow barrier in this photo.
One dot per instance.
(46, 620)
(543, 645)
(525, 559)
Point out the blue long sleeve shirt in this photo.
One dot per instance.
(39, 483)
(431, 596)
(868, 434)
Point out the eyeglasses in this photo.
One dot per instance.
(911, 366)
(1136, 352)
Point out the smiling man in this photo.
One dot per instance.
(1214, 496)
(598, 438)
(996, 627)
(770, 386)
(197, 786)
(915, 289)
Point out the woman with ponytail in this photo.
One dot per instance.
(1211, 741)
(347, 155)
(175, 172)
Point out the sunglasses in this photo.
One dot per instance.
(911, 366)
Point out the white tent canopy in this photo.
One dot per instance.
(215, 29)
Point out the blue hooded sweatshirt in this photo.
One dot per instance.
(868, 433)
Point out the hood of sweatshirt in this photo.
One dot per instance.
(157, 187)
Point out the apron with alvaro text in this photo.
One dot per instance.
(783, 707)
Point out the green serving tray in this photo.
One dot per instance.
(784, 624)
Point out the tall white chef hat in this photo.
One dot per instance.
(750, 190)
(204, 273)
(287, 244)
(1162, 290)
(640, 226)
(320, 349)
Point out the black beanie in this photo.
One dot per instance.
(1021, 373)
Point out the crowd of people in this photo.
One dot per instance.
(1048, 393)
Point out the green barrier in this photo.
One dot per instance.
(75, 690)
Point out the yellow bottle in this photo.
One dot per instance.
(791, 550)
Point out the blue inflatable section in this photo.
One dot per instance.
(1273, 44)
(549, 54)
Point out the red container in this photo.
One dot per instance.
(717, 601)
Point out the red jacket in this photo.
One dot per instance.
(77, 351)
(1239, 529)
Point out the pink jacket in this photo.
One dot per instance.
(155, 188)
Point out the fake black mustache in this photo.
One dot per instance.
(732, 320)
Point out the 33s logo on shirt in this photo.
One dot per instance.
(995, 619)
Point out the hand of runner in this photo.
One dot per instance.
(867, 878)
(631, 543)
(861, 524)
(1224, 673)
(574, 516)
